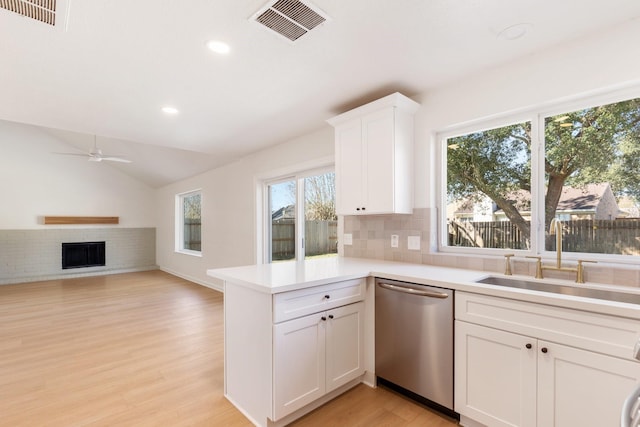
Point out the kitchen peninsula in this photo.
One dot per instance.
(317, 317)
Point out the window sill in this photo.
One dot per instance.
(188, 252)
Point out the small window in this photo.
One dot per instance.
(189, 222)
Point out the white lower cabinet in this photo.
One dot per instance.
(316, 354)
(495, 376)
(510, 379)
(581, 388)
(287, 353)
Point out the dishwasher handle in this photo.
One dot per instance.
(413, 291)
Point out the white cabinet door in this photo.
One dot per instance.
(345, 344)
(316, 354)
(365, 164)
(495, 376)
(378, 142)
(374, 157)
(581, 388)
(349, 168)
(299, 363)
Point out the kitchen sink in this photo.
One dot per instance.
(562, 289)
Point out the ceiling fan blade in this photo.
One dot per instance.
(71, 154)
(115, 159)
(96, 155)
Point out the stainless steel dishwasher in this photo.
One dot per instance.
(414, 340)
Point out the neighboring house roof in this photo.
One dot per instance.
(521, 198)
(286, 212)
(584, 198)
(463, 207)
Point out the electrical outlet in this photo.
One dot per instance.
(348, 239)
(413, 243)
(394, 240)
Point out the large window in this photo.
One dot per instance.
(310, 197)
(505, 184)
(592, 178)
(489, 188)
(189, 222)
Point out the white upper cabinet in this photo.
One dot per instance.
(374, 157)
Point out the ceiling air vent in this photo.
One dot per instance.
(40, 10)
(289, 18)
(51, 12)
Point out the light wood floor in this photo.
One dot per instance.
(139, 349)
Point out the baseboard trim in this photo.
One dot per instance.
(74, 275)
(210, 285)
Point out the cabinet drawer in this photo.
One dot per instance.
(600, 333)
(289, 305)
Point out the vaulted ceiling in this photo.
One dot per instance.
(109, 66)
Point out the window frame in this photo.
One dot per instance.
(480, 126)
(267, 217)
(179, 222)
(537, 115)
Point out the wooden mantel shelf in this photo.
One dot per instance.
(81, 219)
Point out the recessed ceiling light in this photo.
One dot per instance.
(170, 110)
(218, 47)
(515, 32)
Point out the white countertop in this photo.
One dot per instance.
(292, 275)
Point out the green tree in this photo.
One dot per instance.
(496, 163)
(600, 144)
(192, 209)
(597, 144)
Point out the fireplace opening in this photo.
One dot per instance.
(83, 254)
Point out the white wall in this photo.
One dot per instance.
(601, 65)
(575, 69)
(565, 71)
(34, 183)
(229, 207)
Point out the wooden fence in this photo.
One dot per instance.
(192, 234)
(486, 234)
(619, 236)
(321, 238)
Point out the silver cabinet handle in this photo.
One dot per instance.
(408, 290)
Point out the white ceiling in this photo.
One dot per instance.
(120, 61)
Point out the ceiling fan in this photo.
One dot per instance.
(96, 155)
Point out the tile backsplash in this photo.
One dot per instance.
(371, 235)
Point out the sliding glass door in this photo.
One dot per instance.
(301, 219)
